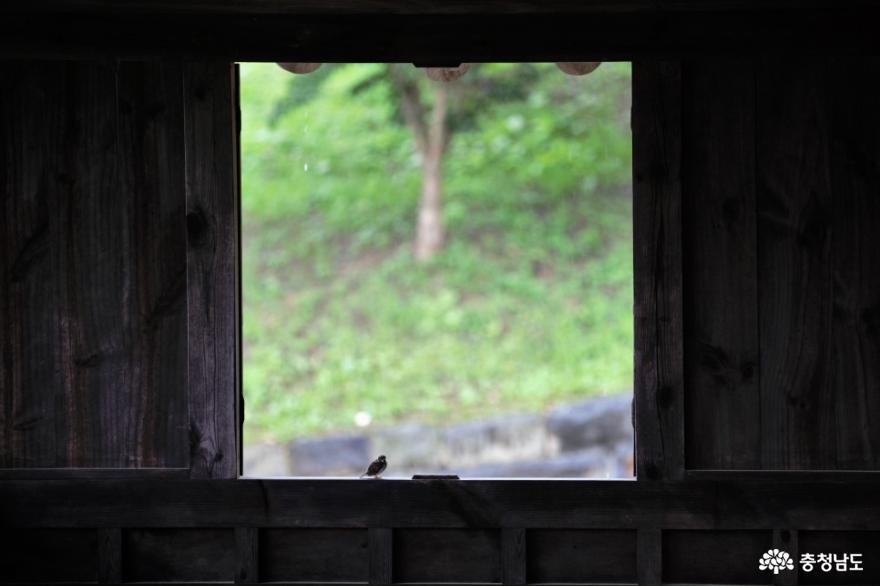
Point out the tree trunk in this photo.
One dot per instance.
(430, 232)
(432, 139)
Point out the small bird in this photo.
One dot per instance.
(376, 468)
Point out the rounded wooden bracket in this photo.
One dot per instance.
(300, 68)
(447, 73)
(582, 68)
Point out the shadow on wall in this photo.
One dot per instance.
(590, 439)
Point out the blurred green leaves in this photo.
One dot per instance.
(530, 302)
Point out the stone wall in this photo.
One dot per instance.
(592, 439)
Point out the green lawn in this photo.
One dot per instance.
(529, 304)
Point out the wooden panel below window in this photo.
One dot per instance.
(715, 557)
(178, 555)
(579, 556)
(48, 555)
(447, 555)
(314, 555)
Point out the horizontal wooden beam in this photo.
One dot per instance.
(396, 7)
(433, 32)
(92, 473)
(453, 504)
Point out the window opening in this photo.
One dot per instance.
(437, 267)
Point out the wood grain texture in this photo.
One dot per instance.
(728, 505)
(447, 555)
(151, 143)
(581, 556)
(417, 31)
(388, 7)
(854, 119)
(247, 548)
(239, 367)
(381, 551)
(794, 248)
(314, 555)
(178, 555)
(212, 269)
(91, 473)
(649, 556)
(657, 225)
(513, 555)
(715, 557)
(92, 295)
(316, 531)
(28, 307)
(780, 266)
(110, 555)
(721, 368)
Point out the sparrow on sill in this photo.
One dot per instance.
(376, 468)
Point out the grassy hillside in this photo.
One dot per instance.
(528, 304)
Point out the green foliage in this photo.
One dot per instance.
(529, 303)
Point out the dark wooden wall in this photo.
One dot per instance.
(781, 263)
(756, 311)
(757, 186)
(433, 531)
(118, 267)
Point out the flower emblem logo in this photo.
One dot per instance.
(775, 560)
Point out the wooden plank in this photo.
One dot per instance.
(27, 554)
(490, 31)
(93, 298)
(389, 7)
(247, 548)
(381, 551)
(239, 367)
(794, 264)
(447, 555)
(714, 557)
(581, 556)
(178, 555)
(33, 117)
(513, 555)
(110, 555)
(649, 556)
(212, 269)
(733, 504)
(91, 473)
(151, 403)
(722, 393)
(854, 439)
(659, 393)
(91, 252)
(314, 555)
(856, 476)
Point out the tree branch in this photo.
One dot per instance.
(411, 104)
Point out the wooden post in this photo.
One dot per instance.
(513, 555)
(381, 551)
